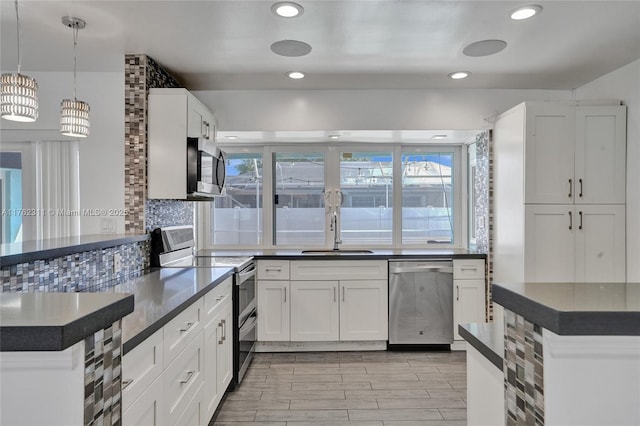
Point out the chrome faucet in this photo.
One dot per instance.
(334, 228)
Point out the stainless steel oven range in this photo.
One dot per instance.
(173, 247)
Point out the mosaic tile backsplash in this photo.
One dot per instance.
(523, 371)
(141, 74)
(89, 271)
(102, 376)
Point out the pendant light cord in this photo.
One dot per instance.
(18, 37)
(75, 56)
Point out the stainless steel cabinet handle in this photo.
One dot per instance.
(334, 295)
(221, 333)
(189, 325)
(580, 225)
(580, 182)
(570, 188)
(126, 383)
(273, 269)
(570, 220)
(468, 268)
(285, 295)
(187, 377)
(343, 294)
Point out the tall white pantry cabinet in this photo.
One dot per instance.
(559, 193)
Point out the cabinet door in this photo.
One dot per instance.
(600, 243)
(212, 395)
(314, 311)
(224, 354)
(600, 154)
(148, 409)
(549, 154)
(363, 310)
(468, 303)
(273, 311)
(549, 243)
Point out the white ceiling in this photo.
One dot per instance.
(357, 44)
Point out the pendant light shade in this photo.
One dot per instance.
(74, 114)
(18, 92)
(74, 118)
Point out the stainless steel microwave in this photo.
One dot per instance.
(205, 169)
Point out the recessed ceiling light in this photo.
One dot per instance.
(458, 75)
(525, 12)
(334, 137)
(296, 75)
(439, 137)
(484, 48)
(290, 48)
(287, 9)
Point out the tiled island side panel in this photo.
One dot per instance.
(90, 271)
(523, 371)
(103, 377)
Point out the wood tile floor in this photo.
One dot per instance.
(350, 389)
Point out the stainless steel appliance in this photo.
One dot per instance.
(205, 169)
(173, 247)
(421, 302)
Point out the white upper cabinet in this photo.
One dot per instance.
(575, 155)
(600, 155)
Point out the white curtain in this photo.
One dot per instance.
(57, 189)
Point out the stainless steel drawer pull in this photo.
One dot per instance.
(273, 269)
(189, 325)
(457, 292)
(221, 341)
(343, 294)
(187, 377)
(126, 383)
(285, 295)
(224, 330)
(469, 268)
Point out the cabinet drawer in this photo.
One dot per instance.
(273, 269)
(468, 269)
(192, 415)
(182, 379)
(339, 270)
(147, 410)
(140, 367)
(180, 330)
(216, 298)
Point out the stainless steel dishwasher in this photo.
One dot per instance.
(421, 302)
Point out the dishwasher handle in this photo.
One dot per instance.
(421, 268)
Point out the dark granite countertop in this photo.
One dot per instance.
(596, 309)
(296, 254)
(28, 251)
(161, 295)
(56, 321)
(486, 338)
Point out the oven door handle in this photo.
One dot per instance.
(244, 275)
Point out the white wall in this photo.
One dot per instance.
(624, 84)
(365, 109)
(102, 153)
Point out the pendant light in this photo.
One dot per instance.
(18, 92)
(74, 114)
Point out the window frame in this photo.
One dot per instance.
(332, 153)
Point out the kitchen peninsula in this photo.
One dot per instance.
(571, 353)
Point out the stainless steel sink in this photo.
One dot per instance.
(340, 251)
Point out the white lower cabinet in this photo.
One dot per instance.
(325, 301)
(148, 409)
(273, 311)
(363, 307)
(469, 293)
(178, 376)
(468, 303)
(314, 311)
(218, 370)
